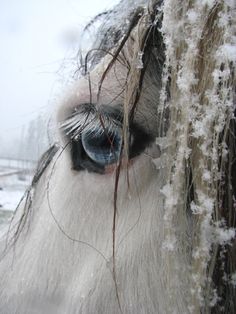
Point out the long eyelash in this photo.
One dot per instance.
(79, 122)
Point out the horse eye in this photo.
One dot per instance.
(103, 148)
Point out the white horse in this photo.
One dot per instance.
(133, 212)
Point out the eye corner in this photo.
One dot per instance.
(141, 139)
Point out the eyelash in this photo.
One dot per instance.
(91, 120)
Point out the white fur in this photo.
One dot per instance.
(50, 273)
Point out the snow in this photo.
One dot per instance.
(13, 184)
(222, 234)
(210, 3)
(170, 243)
(233, 279)
(192, 15)
(10, 199)
(139, 61)
(201, 104)
(227, 51)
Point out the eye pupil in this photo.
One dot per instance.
(103, 148)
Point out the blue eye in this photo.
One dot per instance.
(103, 148)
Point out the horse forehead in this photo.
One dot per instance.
(93, 88)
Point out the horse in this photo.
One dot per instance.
(132, 210)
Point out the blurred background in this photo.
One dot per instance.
(39, 43)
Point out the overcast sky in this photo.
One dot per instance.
(34, 41)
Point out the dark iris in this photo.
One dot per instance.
(103, 148)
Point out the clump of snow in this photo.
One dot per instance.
(214, 298)
(169, 244)
(184, 79)
(196, 209)
(209, 3)
(206, 175)
(222, 234)
(168, 192)
(233, 279)
(231, 3)
(139, 60)
(192, 15)
(227, 51)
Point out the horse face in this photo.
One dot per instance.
(94, 169)
(100, 207)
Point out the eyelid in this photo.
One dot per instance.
(88, 118)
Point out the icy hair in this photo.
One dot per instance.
(201, 153)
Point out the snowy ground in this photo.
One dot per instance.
(13, 183)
